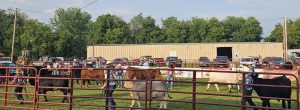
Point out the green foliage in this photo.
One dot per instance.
(174, 30)
(108, 29)
(71, 29)
(293, 30)
(36, 37)
(144, 30)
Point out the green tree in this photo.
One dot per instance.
(252, 30)
(175, 31)
(215, 31)
(144, 30)
(37, 37)
(109, 29)
(276, 34)
(70, 28)
(293, 34)
(197, 29)
(233, 28)
(6, 30)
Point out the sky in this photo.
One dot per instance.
(268, 12)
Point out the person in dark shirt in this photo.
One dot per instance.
(110, 84)
(249, 89)
(19, 82)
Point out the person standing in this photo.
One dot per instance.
(120, 75)
(97, 65)
(109, 84)
(249, 89)
(170, 77)
(55, 66)
(19, 82)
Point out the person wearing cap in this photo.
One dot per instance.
(110, 84)
(120, 75)
(249, 89)
(18, 88)
(170, 76)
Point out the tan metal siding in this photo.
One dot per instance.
(184, 51)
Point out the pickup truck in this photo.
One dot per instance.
(173, 60)
(159, 61)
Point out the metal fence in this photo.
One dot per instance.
(35, 91)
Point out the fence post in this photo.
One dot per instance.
(146, 94)
(35, 90)
(244, 92)
(6, 86)
(71, 90)
(150, 91)
(297, 92)
(37, 86)
(194, 91)
(105, 88)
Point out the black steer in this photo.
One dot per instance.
(49, 83)
(278, 92)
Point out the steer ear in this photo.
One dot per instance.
(255, 75)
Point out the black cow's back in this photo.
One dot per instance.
(282, 92)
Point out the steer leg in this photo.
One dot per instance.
(283, 104)
(139, 104)
(65, 92)
(163, 104)
(289, 104)
(217, 87)
(81, 83)
(45, 97)
(132, 101)
(207, 86)
(229, 86)
(268, 102)
(264, 103)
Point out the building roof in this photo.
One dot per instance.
(245, 43)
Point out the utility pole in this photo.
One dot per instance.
(14, 33)
(284, 34)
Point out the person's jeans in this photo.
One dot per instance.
(249, 99)
(120, 82)
(19, 90)
(170, 82)
(109, 93)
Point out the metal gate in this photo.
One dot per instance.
(94, 98)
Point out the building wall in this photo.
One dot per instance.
(185, 50)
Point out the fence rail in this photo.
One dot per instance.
(36, 103)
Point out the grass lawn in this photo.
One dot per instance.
(183, 87)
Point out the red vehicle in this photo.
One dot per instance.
(159, 61)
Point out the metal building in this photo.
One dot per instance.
(193, 51)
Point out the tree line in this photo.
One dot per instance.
(71, 30)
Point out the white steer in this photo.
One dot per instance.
(219, 77)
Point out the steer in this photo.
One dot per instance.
(61, 84)
(158, 93)
(96, 73)
(279, 92)
(224, 78)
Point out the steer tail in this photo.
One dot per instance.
(169, 96)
